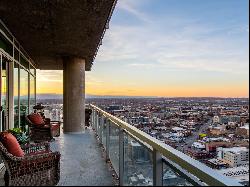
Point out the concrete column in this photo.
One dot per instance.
(73, 95)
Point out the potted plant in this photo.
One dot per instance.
(21, 137)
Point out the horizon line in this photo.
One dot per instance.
(91, 95)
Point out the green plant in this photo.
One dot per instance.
(21, 136)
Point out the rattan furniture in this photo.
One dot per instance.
(38, 167)
(88, 113)
(45, 132)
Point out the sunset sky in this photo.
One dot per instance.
(169, 48)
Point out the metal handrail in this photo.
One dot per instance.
(194, 167)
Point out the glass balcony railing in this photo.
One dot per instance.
(141, 160)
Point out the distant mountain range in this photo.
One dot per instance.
(49, 96)
(89, 96)
(60, 96)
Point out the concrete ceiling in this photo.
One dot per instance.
(51, 29)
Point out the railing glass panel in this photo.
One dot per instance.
(104, 132)
(99, 126)
(114, 146)
(138, 167)
(173, 178)
(140, 162)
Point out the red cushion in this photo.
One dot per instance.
(36, 119)
(11, 144)
(55, 126)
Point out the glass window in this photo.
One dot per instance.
(16, 54)
(5, 31)
(5, 45)
(32, 70)
(16, 95)
(32, 93)
(3, 113)
(24, 62)
(24, 95)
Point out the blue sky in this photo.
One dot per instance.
(174, 48)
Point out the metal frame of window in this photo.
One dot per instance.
(17, 48)
(5, 55)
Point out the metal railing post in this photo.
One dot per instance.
(101, 122)
(99, 125)
(97, 120)
(94, 119)
(157, 169)
(121, 156)
(107, 139)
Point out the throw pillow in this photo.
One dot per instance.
(11, 144)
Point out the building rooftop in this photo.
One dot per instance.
(235, 149)
(240, 173)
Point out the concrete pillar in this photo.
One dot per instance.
(73, 95)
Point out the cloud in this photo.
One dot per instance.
(236, 29)
(92, 80)
(182, 45)
(57, 76)
(49, 76)
(131, 6)
(132, 54)
(143, 65)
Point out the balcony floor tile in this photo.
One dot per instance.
(81, 160)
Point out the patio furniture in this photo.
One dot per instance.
(88, 113)
(39, 108)
(30, 165)
(42, 129)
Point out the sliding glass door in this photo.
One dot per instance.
(3, 91)
(24, 97)
(16, 96)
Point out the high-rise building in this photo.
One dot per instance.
(235, 156)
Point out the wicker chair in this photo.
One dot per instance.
(46, 132)
(38, 167)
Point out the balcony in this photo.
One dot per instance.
(140, 159)
(114, 148)
(135, 157)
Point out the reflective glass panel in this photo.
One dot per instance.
(16, 95)
(32, 93)
(138, 167)
(172, 178)
(24, 92)
(114, 146)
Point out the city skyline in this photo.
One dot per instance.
(169, 49)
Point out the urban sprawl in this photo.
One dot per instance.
(214, 131)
